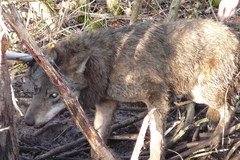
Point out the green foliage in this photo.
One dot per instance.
(191, 13)
(117, 10)
(93, 25)
(114, 7)
(22, 66)
(215, 3)
(41, 25)
(51, 3)
(195, 14)
(90, 22)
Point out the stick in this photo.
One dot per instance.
(131, 137)
(61, 149)
(140, 139)
(71, 102)
(79, 141)
(129, 121)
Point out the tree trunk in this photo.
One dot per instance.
(136, 9)
(173, 10)
(8, 142)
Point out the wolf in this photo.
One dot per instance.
(148, 62)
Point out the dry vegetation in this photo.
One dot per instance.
(48, 21)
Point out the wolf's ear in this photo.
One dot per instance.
(82, 66)
(53, 55)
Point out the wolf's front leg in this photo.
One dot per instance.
(103, 120)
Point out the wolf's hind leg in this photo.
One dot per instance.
(158, 105)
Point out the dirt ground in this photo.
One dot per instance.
(62, 140)
(62, 130)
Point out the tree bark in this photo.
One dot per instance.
(137, 5)
(173, 11)
(8, 141)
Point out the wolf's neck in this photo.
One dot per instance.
(98, 70)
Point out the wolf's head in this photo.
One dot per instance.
(84, 64)
(46, 101)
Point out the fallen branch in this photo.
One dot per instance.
(230, 153)
(50, 126)
(61, 149)
(203, 153)
(233, 129)
(228, 132)
(131, 137)
(71, 102)
(183, 131)
(142, 133)
(78, 142)
(14, 100)
(236, 157)
(74, 152)
(129, 121)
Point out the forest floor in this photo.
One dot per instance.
(61, 131)
(60, 139)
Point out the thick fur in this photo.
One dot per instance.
(149, 62)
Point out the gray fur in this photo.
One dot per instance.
(149, 62)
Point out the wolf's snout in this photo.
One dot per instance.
(29, 120)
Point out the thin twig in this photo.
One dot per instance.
(61, 149)
(211, 7)
(78, 142)
(51, 125)
(142, 133)
(129, 121)
(4, 129)
(230, 153)
(183, 131)
(131, 137)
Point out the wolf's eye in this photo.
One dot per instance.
(53, 95)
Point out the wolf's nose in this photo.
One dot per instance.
(29, 120)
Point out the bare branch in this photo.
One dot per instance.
(140, 140)
(71, 102)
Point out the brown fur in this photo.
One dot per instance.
(149, 63)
